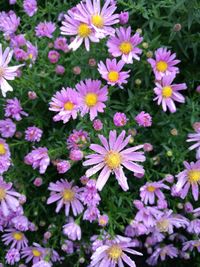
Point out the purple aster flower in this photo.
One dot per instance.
(33, 253)
(42, 263)
(103, 220)
(123, 18)
(5, 160)
(97, 125)
(124, 45)
(13, 109)
(168, 221)
(111, 72)
(91, 214)
(162, 252)
(190, 177)
(20, 223)
(167, 93)
(53, 56)
(61, 44)
(120, 119)
(33, 134)
(100, 18)
(76, 155)
(114, 253)
(45, 29)
(63, 166)
(72, 230)
(83, 31)
(195, 137)
(12, 256)
(14, 238)
(17, 40)
(144, 119)
(20, 54)
(9, 199)
(111, 157)
(77, 139)
(30, 7)
(138, 228)
(92, 97)
(190, 245)
(9, 23)
(151, 190)
(90, 195)
(66, 103)
(7, 128)
(38, 158)
(164, 63)
(6, 72)
(32, 51)
(68, 247)
(67, 195)
(194, 227)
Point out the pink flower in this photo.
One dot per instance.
(33, 134)
(60, 69)
(167, 93)
(190, 177)
(120, 119)
(144, 119)
(72, 231)
(5, 160)
(97, 125)
(66, 103)
(7, 128)
(164, 63)
(67, 195)
(53, 56)
(76, 155)
(82, 30)
(111, 72)
(100, 18)
(103, 220)
(111, 158)
(14, 110)
(123, 18)
(38, 158)
(63, 166)
(61, 44)
(92, 97)
(45, 29)
(77, 139)
(38, 181)
(6, 72)
(34, 253)
(9, 23)
(30, 7)
(15, 238)
(12, 256)
(124, 45)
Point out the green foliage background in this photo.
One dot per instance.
(157, 20)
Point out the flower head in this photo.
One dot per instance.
(45, 29)
(9, 23)
(111, 158)
(30, 7)
(12, 256)
(33, 134)
(72, 230)
(144, 119)
(7, 128)
(120, 119)
(67, 195)
(92, 97)
(167, 93)
(33, 253)
(111, 72)
(66, 103)
(124, 45)
(5, 160)
(15, 238)
(77, 139)
(14, 109)
(164, 63)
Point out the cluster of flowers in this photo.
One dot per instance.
(154, 221)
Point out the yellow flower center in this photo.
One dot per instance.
(18, 236)
(113, 76)
(91, 99)
(84, 30)
(161, 66)
(113, 159)
(114, 252)
(194, 176)
(151, 188)
(2, 193)
(68, 195)
(36, 253)
(167, 91)
(97, 20)
(125, 47)
(68, 105)
(102, 221)
(2, 149)
(30, 56)
(163, 225)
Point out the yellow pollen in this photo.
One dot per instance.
(68, 195)
(97, 20)
(30, 56)
(163, 225)
(114, 252)
(36, 253)
(91, 99)
(151, 188)
(102, 221)
(68, 105)
(113, 76)
(84, 30)
(194, 176)
(2, 194)
(167, 91)
(161, 66)
(113, 159)
(2, 149)
(125, 47)
(18, 236)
